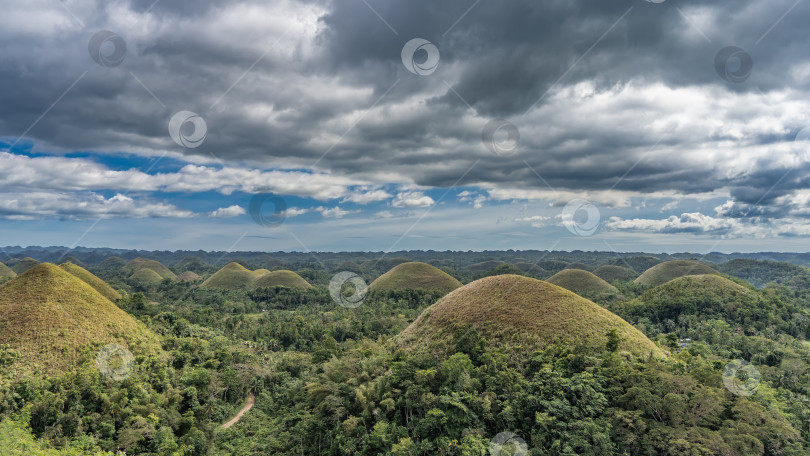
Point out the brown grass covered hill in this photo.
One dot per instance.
(54, 320)
(708, 296)
(146, 276)
(90, 279)
(668, 270)
(415, 276)
(582, 282)
(24, 265)
(235, 276)
(281, 278)
(522, 314)
(231, 277)
(139, 264)
(188, 276)
(609, 273)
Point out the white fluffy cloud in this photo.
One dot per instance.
(412, 200)
(227, 212)
(83, 206)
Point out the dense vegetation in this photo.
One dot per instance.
(330, 380)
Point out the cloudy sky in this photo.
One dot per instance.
(665, 125)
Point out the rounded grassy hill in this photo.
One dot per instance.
(582, 282)
(23, 265)
(523, 314)
(188, 276)
(90, 279)
(668, 270)
(709, 296)
(53, 320)
(282, 278)
(146, 277)
(415, 276)
(142, 263)
(231, 277)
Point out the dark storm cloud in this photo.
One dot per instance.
(325, 64)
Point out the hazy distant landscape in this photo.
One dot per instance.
(368, 227)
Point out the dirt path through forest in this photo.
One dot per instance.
(251, 400)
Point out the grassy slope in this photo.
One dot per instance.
(24, 265)
(51, 316)
(609, 273)
(668, 270)
(708, 295)
(415, 276)
(281, 278)
(517, 311)
(188, 276)
(582, 282)
(230, 277)
(100, 285)
(141, 263)
(146, 276)
(6, 271)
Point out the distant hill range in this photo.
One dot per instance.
(537, 262)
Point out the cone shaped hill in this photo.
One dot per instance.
(582, 282)
(146, 276)
(281, 278)
(90, 279)
(139, 264)
(415, 276)
(668, 270)
(516, 311)
(24, 265)
(54, 319)
(235, 276)
(707, 296)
